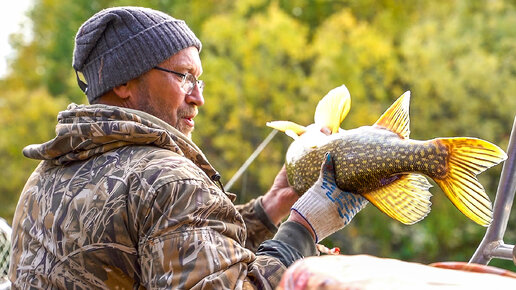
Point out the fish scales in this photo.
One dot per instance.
(367, 158)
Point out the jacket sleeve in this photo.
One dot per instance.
(258, 225)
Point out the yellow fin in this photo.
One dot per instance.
(467, 158)
(406, 199)
(333, 108)
(283, 126)
(396, 118)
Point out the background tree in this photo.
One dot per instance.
(27, 117)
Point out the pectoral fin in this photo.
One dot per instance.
(333, 108)
(396, 118)
(406, 199)
(285, 126)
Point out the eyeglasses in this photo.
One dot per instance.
(188, 81)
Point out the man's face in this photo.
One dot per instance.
(160, 93)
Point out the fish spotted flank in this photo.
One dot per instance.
(381, 163)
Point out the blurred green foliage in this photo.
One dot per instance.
(273, 60)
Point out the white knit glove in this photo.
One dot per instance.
(325, 207)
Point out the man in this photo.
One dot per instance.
(123, 198)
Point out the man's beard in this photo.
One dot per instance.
(180, 125)
(160, 112)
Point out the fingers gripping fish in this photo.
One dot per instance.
(381, 163)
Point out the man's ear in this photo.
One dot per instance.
(122, 91)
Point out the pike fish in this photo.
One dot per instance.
(384, 165)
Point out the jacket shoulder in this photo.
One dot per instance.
(158, 166)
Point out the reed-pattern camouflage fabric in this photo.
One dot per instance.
(121, 199)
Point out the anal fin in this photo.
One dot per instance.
(407, 199)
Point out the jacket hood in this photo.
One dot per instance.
(84, 131)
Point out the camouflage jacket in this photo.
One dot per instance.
(121, 199)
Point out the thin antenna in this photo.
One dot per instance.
(250, 159)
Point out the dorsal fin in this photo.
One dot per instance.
(396, 118)
(333, 108)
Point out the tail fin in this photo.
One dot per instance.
(469, 157)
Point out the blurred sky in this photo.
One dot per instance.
(12, 15)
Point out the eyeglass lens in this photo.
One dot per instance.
(189, 83)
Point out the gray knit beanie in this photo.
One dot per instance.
(119, 44)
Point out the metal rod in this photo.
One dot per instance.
(501, 212)
(502, 251)
(250, 159)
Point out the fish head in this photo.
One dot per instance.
(330, 112)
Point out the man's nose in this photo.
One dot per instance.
(195, 97)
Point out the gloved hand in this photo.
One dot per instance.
(325, 207)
